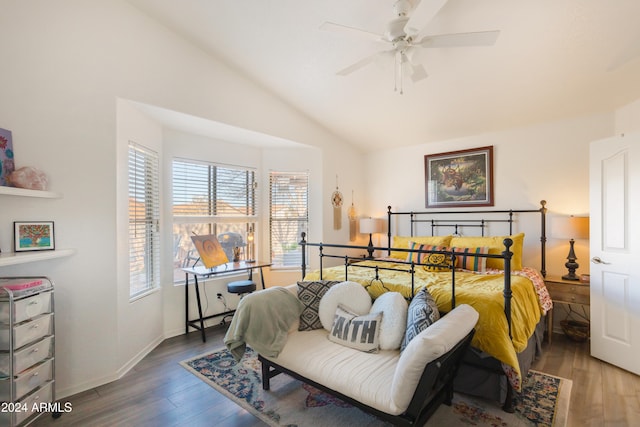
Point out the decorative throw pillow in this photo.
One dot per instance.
(402, 242)
(496, 246)
(393, 307)
(358, 332)
(422, 313)
(310, 294)
(350, 294)
(432, 261)
(467, 260)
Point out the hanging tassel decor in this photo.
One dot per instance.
(351, 213)
(336, 201)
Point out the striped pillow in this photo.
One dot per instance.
(437, 262)
(466, 259)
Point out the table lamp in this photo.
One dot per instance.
(571, 227)
(369, 226)
(251, 245)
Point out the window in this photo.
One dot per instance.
(288, 216)
(214, 199)
(144, 220)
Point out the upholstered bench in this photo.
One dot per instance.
(403, 387)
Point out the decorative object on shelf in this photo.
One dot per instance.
(352, 215)
(459, 178)
(370, 226)
(237, 252)
(7, 162)
(210, 250)
(33, 236)
(336, 201)
(571, 227)
(251, 246)
(29, 178)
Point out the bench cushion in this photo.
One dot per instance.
(340, 368)
(428, 345)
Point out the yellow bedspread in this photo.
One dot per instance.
(482, 291)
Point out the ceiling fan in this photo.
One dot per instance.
(402, 34)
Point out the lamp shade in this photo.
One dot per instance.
(369, 225)
(570, 227)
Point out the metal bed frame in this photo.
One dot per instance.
(437, 221)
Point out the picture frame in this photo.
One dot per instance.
(33, 236)
(459, 178)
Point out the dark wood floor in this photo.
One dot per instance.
(160, 392)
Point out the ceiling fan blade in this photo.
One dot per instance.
(382, 55)
(422, 15)
(416, 72)
(355, 67)
(480, 38)
(350, 31)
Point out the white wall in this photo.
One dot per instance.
(146, 312)
(65, 65)
(627, 118)
(549, 161)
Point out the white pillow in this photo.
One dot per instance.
(393, 307)
(359, 332)
(352, 295)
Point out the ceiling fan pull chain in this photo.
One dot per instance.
(401, 78)
(395, 73)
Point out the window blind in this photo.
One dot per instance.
(144, 220)
(204, 189)
(210, 198)
(288, 216)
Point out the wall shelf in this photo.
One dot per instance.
(13, 191)
(13, 258)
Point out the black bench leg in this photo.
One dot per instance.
(265, 376)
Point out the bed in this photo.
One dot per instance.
(485, 271)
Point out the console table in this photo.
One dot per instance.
(205, 273)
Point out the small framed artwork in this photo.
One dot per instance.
(33, 236)
(459, 178)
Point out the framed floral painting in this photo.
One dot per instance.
(459, 178)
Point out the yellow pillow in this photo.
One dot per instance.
(402, 242)
(495, 246)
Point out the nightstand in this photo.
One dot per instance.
(565, 292)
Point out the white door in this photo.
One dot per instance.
(615, 251)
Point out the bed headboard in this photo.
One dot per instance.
(453, 222)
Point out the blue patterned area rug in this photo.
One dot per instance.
(544, 401)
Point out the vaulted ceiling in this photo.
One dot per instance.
(553, 59)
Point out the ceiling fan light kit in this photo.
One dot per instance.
(402, 34)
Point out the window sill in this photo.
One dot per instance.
(144, 294)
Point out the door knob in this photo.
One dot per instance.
(597, 260)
